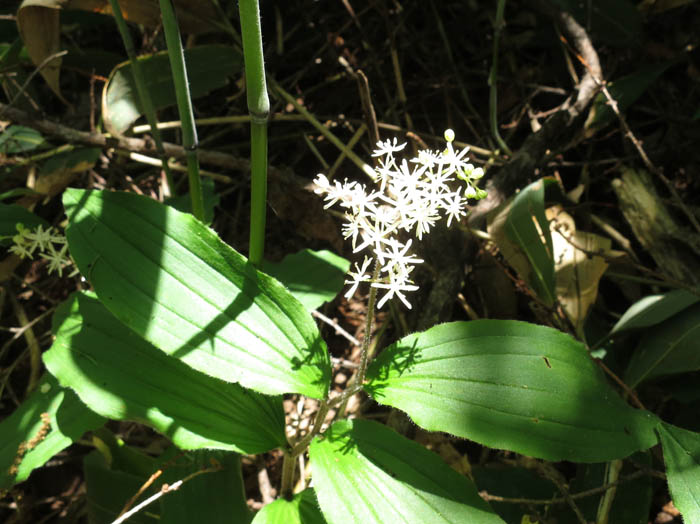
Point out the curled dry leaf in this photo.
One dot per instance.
(577, 269)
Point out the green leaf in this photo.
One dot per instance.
(109, 489)
(510, 385)
(682, 457)
(669, 348)
(20, 139)
(654, 309)
(174, 282)
(521, 231)
(313, 277)
(11, 215)
(123, 377)
(69, 418)
(302, 509)
(209, 196)
(208, 68)
(216, 497)
(365, 472)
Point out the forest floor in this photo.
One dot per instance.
(427, 68)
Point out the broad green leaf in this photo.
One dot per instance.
(208, 68)
(365, 472)
(174, 282)
(123, 377)
(68, 419)
(108, 490)
(682, 457)
(302, 509)
(510, 385)
(313, 277)
(671, 347)
(216, 497)
(521, 231)
(20, 139)
(11, 215)
(654, 309)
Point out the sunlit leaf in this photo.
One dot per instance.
(29, 438)
(123, 377)
(365, 472)
(174, 282)
(302, 509)
(510, 385)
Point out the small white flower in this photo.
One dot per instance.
(388, 147)
(395, 288)
(455, 208)
(358, 276)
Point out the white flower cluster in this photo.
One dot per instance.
(27, 241)
(409, 197)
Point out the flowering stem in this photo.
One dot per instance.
(364, 358)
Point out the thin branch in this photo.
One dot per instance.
(166, 488)
(334, 324)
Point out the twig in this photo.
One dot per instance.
(334, 324)
(166, 488)
(41, 66)
(32, 343)
(552, 474)
(556, 132)
(562, 500)
(367, 106)
(136, 145)
(266, 490)
(602, 84)
(141, 490)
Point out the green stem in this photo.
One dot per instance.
(259, 109)
(184, 104)
(143, 93)
(493, 77)
(612, 475)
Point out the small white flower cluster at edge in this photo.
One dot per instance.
(410, 197)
